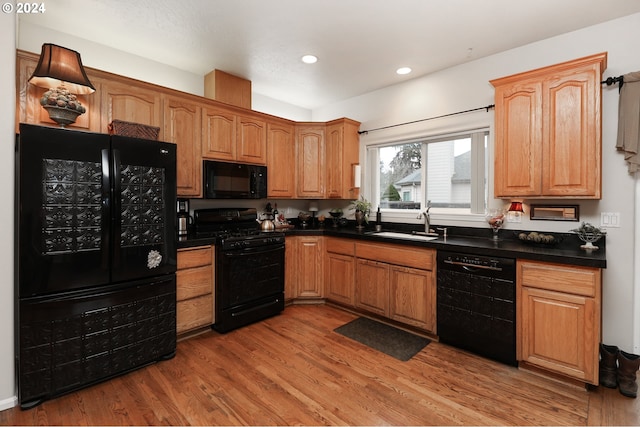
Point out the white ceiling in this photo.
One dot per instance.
(359, 43)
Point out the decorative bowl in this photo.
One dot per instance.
(536, 238)
(62, 116)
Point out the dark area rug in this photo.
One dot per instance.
(392, 341)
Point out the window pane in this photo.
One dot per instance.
(449, 173)
(400, 176)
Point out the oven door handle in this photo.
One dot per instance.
(472, 267)
(253, 251)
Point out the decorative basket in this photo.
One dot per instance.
(133, 130)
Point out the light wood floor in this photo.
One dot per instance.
(293, 369)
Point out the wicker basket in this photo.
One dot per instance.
(134, 130)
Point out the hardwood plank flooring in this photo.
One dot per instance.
(293, 369)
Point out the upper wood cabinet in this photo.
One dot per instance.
(310, 164)
(548, 131)
(327, 154)
(251, 142)
(130, 103)
(281, 154)
(29, 110)
(182, 126)
(309, 160)
(229, 136)
(342, 155)
(218, 134)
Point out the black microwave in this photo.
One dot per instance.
(224, 180)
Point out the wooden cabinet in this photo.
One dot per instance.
(228, 136)
(303, 267)
(130, 103)
(29, 110)
(548, 131)
(559, 318)
(182, 127)
(281, 176)
(194, 290)
(342, 155)
(251, 142)
(310, 152)
(372, 286)
(339, 277)
(397, 282)
(326, 158)
(412, 296)
(218, 134)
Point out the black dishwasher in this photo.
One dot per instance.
(477, 304)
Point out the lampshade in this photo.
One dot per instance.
(58, 65)
(516, 207)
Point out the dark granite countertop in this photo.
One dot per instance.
(475, 241)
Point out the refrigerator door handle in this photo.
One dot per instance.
(106, 205)
(116, 226)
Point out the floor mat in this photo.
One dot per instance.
(392, 341)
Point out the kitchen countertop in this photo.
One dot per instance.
(475, 241)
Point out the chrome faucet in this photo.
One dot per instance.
(427, 218)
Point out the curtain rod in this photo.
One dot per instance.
(487, 108)
(612, 80)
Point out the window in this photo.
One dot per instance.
(448, 171)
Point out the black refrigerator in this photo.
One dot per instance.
(95, 258)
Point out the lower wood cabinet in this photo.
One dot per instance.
(303, 267)
(194, 293)
(412, 296)
(340, 265)
(397, 282)
(372, 286)
(559, 318)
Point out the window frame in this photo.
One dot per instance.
(444, 129)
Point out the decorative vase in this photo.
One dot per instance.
(589, 234)
(359, 219)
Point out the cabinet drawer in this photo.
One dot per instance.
(194, 282)
(561, 278)
(194, 313)
(341, 246)
(195, 257)
(423, 259)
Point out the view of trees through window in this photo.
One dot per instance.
(446, 179)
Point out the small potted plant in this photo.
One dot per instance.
(588, 234)
(362, 208)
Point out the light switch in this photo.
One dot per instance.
(610, 219)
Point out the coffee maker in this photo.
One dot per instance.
(184, 219)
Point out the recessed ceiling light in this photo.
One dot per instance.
(403, 70)
(309, 59)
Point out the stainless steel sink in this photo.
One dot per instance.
(408, 236)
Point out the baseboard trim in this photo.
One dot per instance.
(8, 403)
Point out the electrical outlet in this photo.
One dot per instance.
(610, 219)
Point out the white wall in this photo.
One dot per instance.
(467, 86)
(7, 144)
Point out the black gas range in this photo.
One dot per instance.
(249, 283)
(233, 228)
